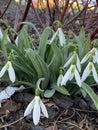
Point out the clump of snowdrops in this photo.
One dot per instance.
(64, 63)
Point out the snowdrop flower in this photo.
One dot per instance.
(59, 80)
(93, 53)
(1, 36)
(9, 91)
(61, 36)
(8, 66)
(70, 74)
(16, 41)
(90, 68)
(35, 107)
(74, 57)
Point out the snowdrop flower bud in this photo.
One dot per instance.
(59, 80)
(35, 107)
(8, 66)
(90, 68)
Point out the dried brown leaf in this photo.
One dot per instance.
(9, 106)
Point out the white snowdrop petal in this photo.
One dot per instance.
(66, 77)
(71, 77)
(59, 80)
(16, 41)
(95, 74)
(7, 93)
(43, 108)
(77, 77)
(61, 37)
(68, 62)
(94, 59)
(54, 36)
(96, 56)
(85, 58)
(1, 34)
(86, 73)
(36, 112)
(8, 39)
(11, 73)
(2, 71)
(29, 108)
(78, 64)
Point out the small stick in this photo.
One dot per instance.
(49, 11)
(64, 11)
(24, 17)
(76, 16)
(6, 8)
(37, 16)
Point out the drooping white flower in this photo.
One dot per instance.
(59, 80)
(93, 53)
(8, 67)
(35, 107)
(70, 74)
(74, 57)
(16, 41)
(1, 36)
(9, 91)
(61, 36)
(90, 68)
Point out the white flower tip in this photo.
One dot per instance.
(80, 84)
(12, 80)
(0, 104)
(35, 122)
(47, 116)
(59, 80)
(29, 108)
(62, 83)
(25, 114)
(2, 72)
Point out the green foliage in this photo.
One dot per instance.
(32, 64)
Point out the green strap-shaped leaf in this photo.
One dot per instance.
(21, 59)
(49, 93)
(80, 41)
(57, 57)
(33, 26)
(39, 65)
(24, 41)
(45, 70)
(32, 56)
(91, 93)
(60, 89)
(43, 42)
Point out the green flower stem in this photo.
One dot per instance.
(37, 92)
